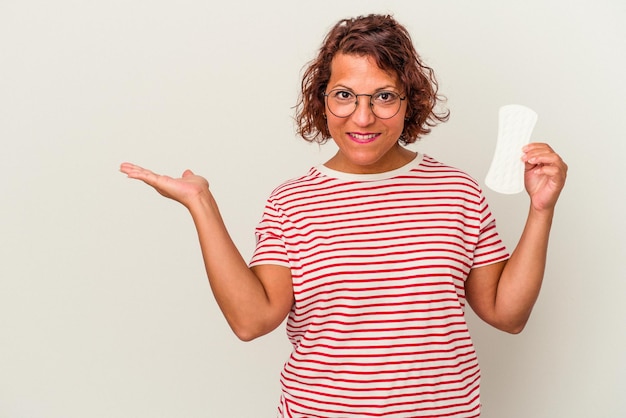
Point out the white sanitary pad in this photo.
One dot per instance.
(515, 125)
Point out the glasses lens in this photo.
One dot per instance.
(341, 103)
(384, 104)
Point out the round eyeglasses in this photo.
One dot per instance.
(384, 104)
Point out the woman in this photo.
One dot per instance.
(373, 255)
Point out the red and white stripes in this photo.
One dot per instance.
(378, 265)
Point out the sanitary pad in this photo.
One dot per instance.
(515, 125)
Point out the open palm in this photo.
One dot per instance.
(185, 189)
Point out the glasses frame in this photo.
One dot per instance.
(356, 102)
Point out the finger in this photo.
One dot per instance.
(536, 146)
(546, 159)
(548, 167)
(126, 167)
(139, 173)
(541, 160)
(540, 154)
(535, 149)
(556, 173)
(129, 168)
(542, 169)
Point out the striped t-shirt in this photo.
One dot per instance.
(379, 263)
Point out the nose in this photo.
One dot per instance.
(363, 114)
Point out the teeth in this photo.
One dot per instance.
(364, 137)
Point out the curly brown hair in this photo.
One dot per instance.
(386, 41)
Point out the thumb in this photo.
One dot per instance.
(187, 173)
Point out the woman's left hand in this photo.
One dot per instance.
(544, 176)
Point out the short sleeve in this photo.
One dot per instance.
(489, 248)
(270, 243)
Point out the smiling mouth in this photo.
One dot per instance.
(362, 138)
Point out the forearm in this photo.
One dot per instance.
(521, 279)
(238, 291)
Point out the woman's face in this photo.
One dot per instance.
(367, 143)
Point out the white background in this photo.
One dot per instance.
(105, 310)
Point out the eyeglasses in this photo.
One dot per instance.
(384, 104)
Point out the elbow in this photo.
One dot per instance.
(245, 334)
(250, 326)
(513, 327)
(514, 330)
(245, 337)
(247, 331)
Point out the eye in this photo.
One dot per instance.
(385, 97)
(342, 95)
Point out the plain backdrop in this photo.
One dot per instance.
(105, 310)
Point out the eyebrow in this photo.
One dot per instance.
(384, 88)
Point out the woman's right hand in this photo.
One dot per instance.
(187, 189)
(254, 301)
